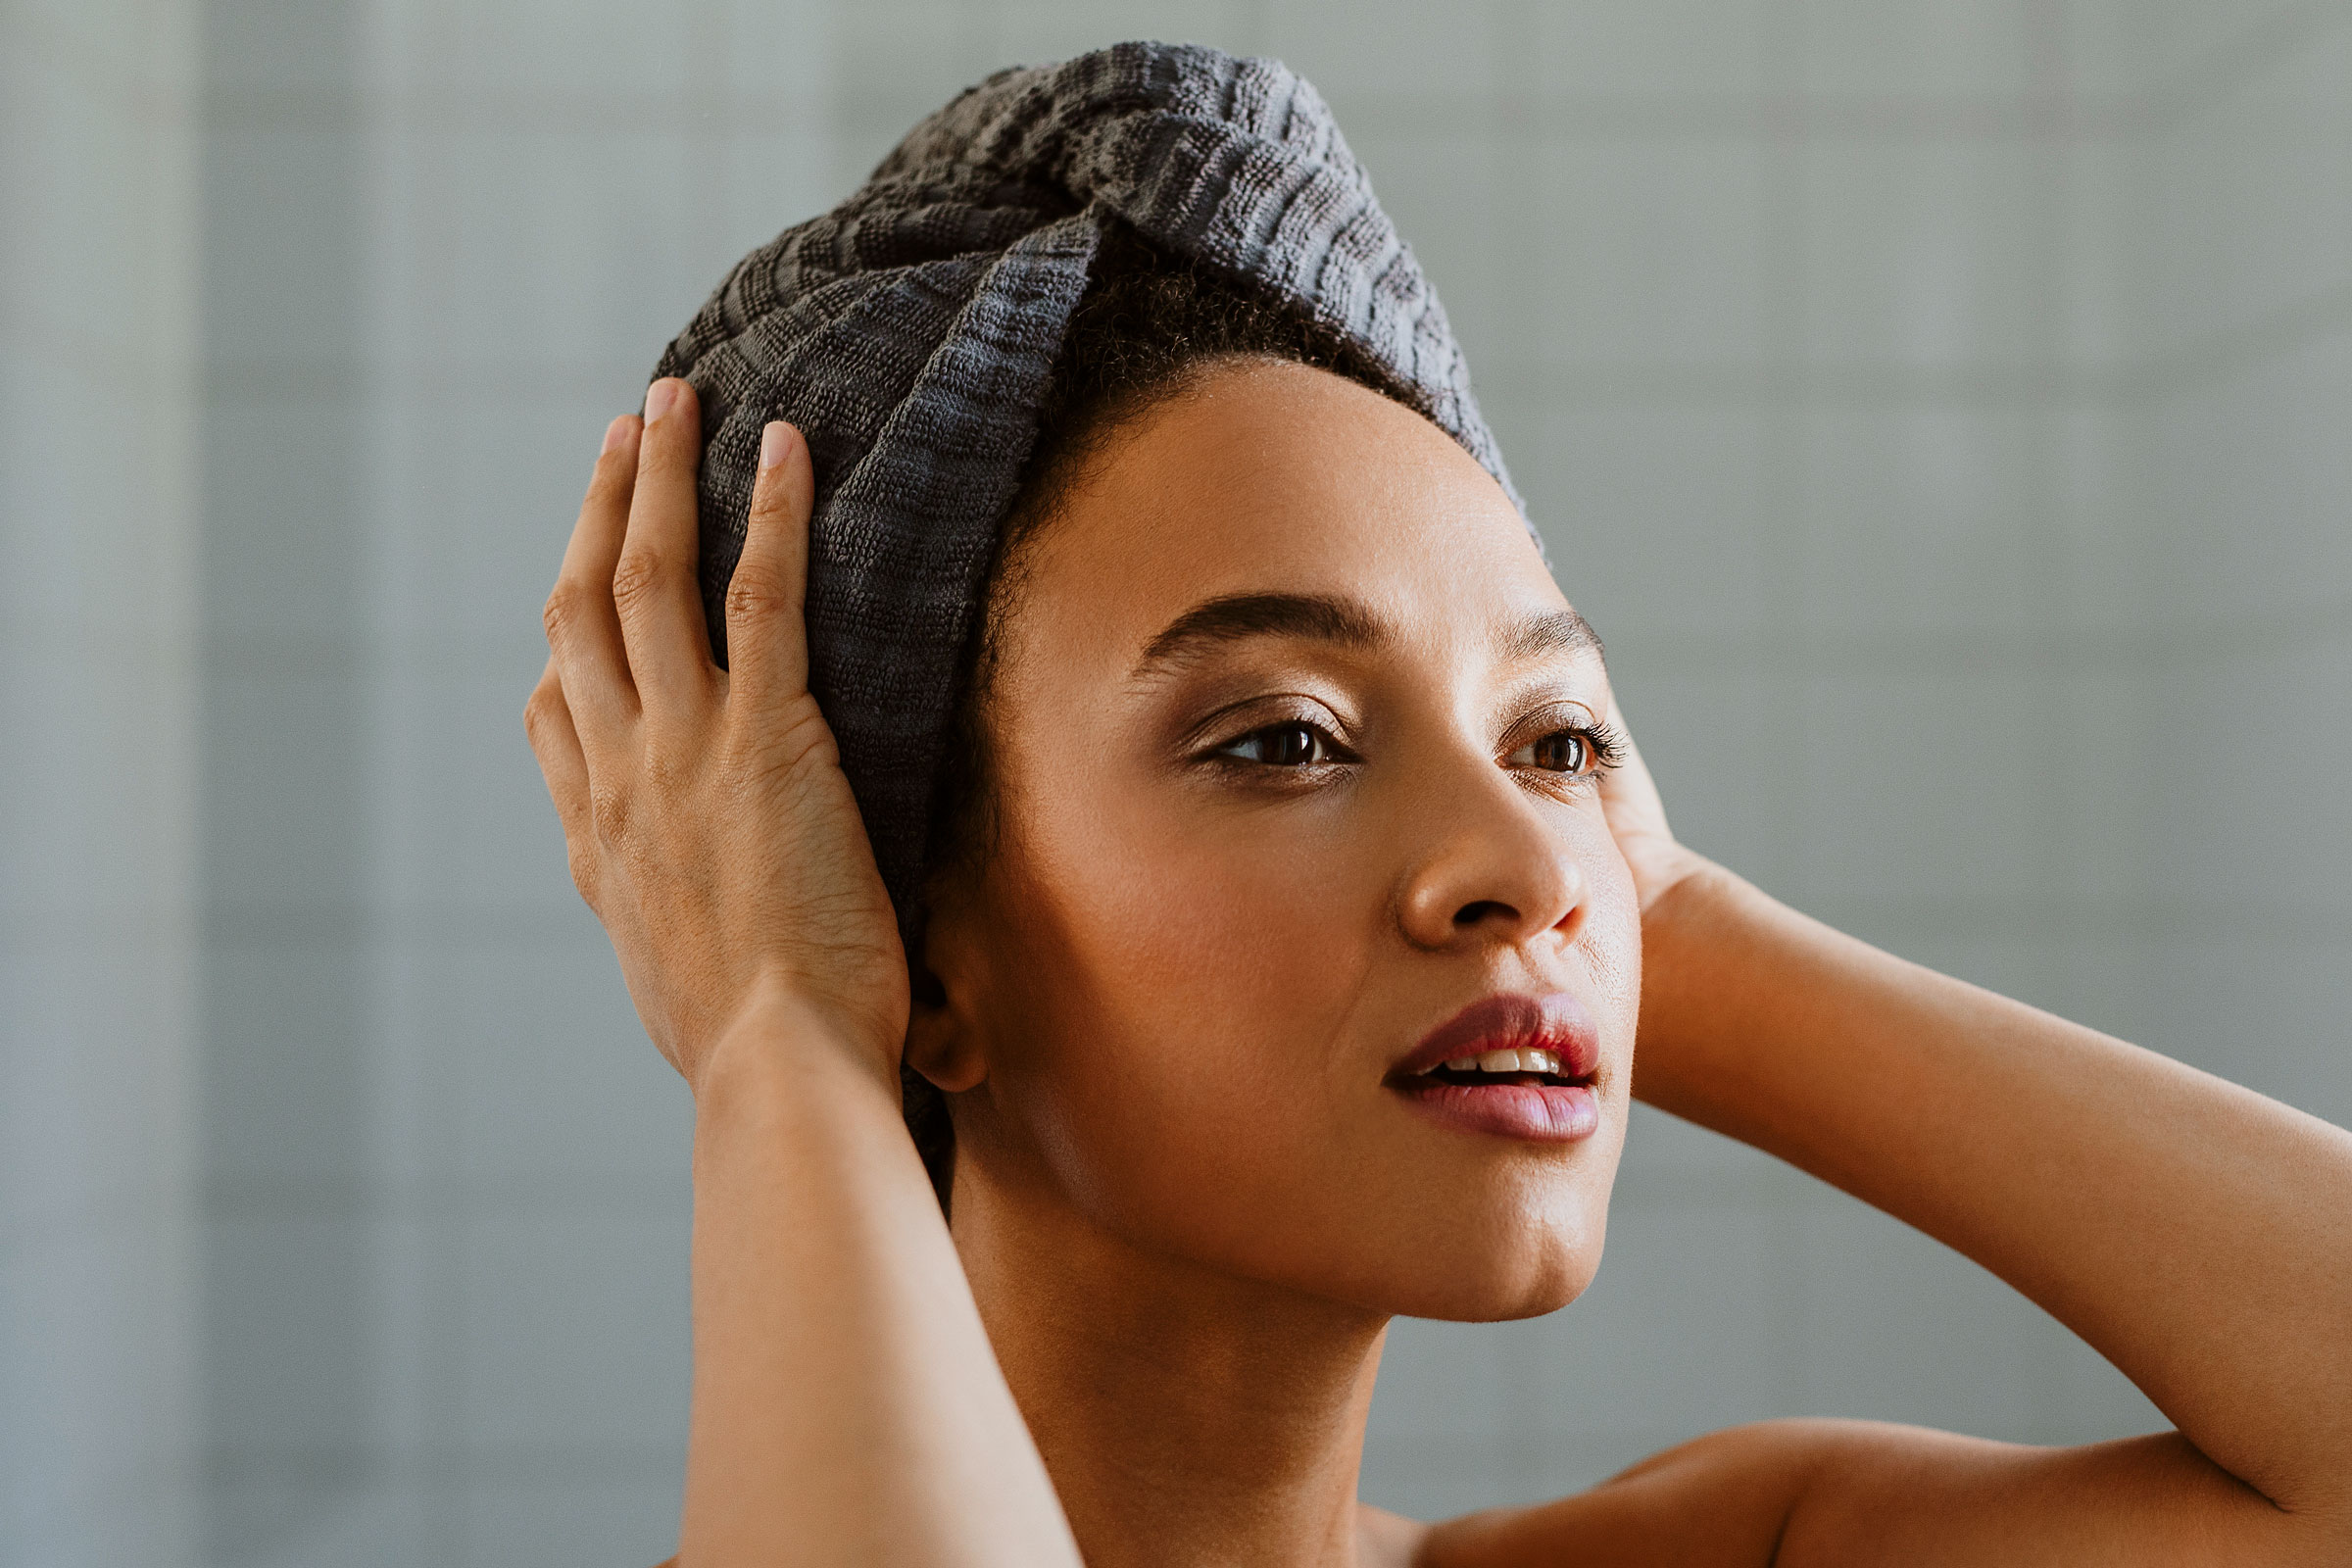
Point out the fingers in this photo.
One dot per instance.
(584, 633)
(556, 742)
(653, 587)
(1627, 791)
(768, 638)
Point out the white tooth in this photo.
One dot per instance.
(1540, 1060)
(1498, 1062)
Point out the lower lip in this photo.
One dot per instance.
(1536, 1113)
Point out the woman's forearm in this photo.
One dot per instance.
(2196, 1233)
(847, 1407)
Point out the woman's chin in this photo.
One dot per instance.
(1493, 1245)
(1496, 1267)
(1498, 1289)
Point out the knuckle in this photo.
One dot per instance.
(666, 773)
(759, 756)
(612, 476)
(608, 812)
(756, 591)
(583, 864)
(563, 608)
(774, 494)
(805, 741)
(676, 448)
(539, 711)
(636, 578)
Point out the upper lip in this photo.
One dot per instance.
(1555, 1022)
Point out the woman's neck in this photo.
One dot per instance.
(1185, 1417)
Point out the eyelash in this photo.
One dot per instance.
(1603, 748)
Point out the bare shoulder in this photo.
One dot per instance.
(1818, 1492)
(1716, 1501)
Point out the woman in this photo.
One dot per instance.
(1260, 902)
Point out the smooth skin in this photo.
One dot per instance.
(1185, 1202)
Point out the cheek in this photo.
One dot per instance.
(1252, 937)
(1180, 994)
(1610, 939)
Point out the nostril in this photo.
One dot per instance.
(1478, 910)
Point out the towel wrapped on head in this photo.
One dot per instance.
(910, 334)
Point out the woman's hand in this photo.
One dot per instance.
(847, 1406)
(708, 820)
(1637, 818)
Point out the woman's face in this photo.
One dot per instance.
(1294, 748)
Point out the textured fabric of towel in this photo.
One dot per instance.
(909, 333)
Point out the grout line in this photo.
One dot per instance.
(636, 1196)
(1784, 639)
(2043, 591)
(508, 1463)
(2054, 967)
(1783, 642)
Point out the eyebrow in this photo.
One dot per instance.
(1237, 617)
(1559, 631)
(1331, 618)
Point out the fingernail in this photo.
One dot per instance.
(775, 442)
(616, 433)
(659, 398)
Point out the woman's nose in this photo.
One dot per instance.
(1494, 869)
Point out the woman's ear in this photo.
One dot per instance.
(943, 1038)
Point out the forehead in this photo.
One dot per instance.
(1276, 477)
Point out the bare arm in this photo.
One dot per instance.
(846, 1405)
(2196, 1233)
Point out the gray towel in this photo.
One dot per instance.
(909, 332)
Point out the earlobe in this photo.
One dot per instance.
(942, 1046)
(942, 1042)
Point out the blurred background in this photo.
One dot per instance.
(1939, 405)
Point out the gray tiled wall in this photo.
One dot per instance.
(1936, 404)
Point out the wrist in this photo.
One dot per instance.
(1695, 983)
(1701, 893)
(1663, 868)
(781, 1028)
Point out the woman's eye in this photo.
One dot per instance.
(1563, 751)
(1281, 746)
